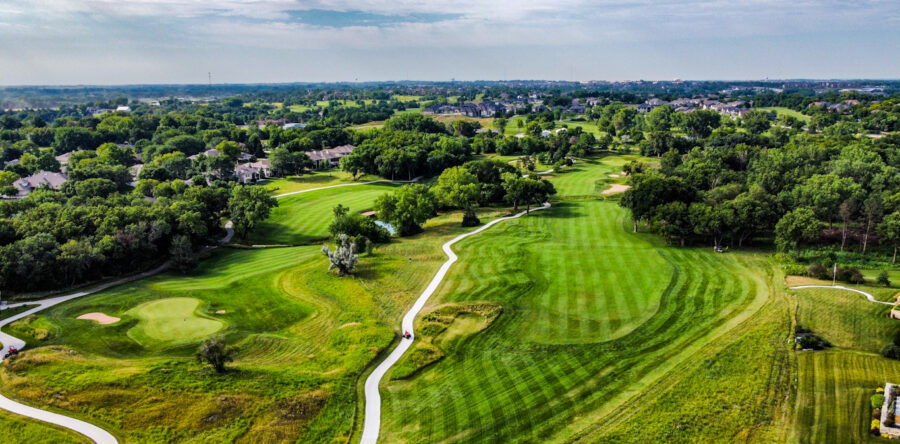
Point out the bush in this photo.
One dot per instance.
(817, 271)
(877, 400)
(884, 278)
(851, 275)
(891, 351)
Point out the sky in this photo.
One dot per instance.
(67, 42)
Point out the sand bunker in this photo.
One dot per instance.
(349, 324)
(220, 312)
(615, 176)
(100, 318)
(616, 188)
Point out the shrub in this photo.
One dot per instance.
(876, 424)
(884, 279)
(851, 275)
(877, 400)
(817, 271)
(891, 351)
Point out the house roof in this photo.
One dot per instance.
(333, 153)
(64, 158)
(26, 185)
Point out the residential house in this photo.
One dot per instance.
(288, 126)
(208, 153)
(28, 184)
(253, 171)
(123, 109)
(329, 158)
(135, 171)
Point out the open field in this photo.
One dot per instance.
(304, 218)
(574, 343)
(787, 111)
(316, 179)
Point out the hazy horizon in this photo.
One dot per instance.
(107, 42)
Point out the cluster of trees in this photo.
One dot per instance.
(810, 189)
(51, 239)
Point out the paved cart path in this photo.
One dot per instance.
(838, 287)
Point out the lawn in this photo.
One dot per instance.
(304, 218)
(316, 179)
(171, 322)
(587, 178)
(787, 111)
(592, 316)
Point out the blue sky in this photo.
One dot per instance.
(179, 41)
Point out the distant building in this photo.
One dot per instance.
(28, 184)
(288, 126)
(123, 109)
(329, 158)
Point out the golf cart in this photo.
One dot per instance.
(11, 352)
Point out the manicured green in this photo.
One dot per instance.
(170, 322)
(304, 218)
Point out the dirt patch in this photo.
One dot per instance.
(616, 188)
(220, 312)
(100, 318)
(349, 324)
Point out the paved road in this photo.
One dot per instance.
(838, 287)
(372, 423)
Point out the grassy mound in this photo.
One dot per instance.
(171, 321)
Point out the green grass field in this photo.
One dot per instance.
(304, 218)
(834, 386)
(787, 111)
(14, 428)
(313, 180)
(574, 342)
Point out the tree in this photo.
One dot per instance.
(248, 206)
(216, 353)
(182, 252)
(651, 190)
(890, 232)
(712, 221)
(407, 208)
(501, 123)
(457, 187)
(343, 258)
(514, 186)
(537, 191)
(659, 119)
(111, 154)
(672, 221)
(884, 278)
(756, 121)
(796, 226)
(700, 124)
(286, 162)
(7, 178)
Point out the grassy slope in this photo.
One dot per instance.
(17, 429)
(304, 218)
(834, 386)
(568, 353)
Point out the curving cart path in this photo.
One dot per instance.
(839, 287)
(372, 422)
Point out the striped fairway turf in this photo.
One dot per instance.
(304, 218)
(588, 177)
(636, 311)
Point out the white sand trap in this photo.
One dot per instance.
(220, 312)
(615, 176)
(349, 324)
(100, 318)
(616, 188)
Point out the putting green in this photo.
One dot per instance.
(170, 322)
